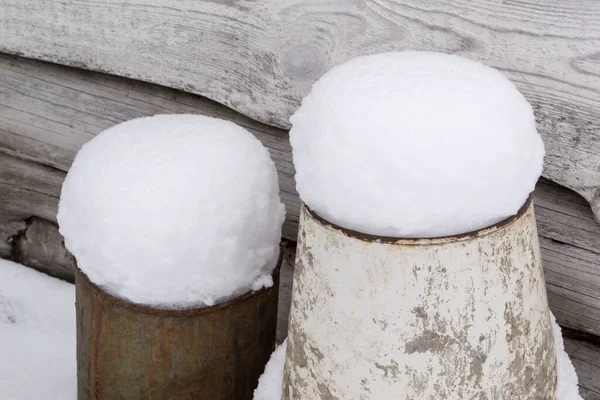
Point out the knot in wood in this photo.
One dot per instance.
(304, 62)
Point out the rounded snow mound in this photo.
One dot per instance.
(173, 211)
(415, 144)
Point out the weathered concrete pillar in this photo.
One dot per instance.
(461, 317)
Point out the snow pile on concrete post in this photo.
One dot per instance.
(173, 211)
(415, 144)
(415, 149)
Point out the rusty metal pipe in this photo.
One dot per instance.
(459, 317)
(133, 352)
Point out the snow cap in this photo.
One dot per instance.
(415, 144)
(173, 211)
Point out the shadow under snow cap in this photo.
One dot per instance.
(415, 144)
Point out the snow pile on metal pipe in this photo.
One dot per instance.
(173, 211)
(415, 144)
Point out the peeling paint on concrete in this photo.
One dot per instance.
(448, 318)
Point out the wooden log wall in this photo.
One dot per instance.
(48, 111)
(260, 58)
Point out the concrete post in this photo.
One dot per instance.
(461, 317)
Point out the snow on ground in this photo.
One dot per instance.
(173, 211)
(415, 144)
(269, 384)
(37, 335)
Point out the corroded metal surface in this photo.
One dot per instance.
(127, 351)
(463, 317)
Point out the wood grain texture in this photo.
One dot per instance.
(260, 58)
(48, 111)
(8, 230)
(286, 281)
(570, 245)
(28, 189)
(585, 356)
(40, 246)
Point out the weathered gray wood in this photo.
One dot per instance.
(260, 58)
(570, 237)
(29, 194)
(48, 111)
(41, 246)
(28, 189)
(570, 244)
(8, 229)
(286, 278)
(586, 359)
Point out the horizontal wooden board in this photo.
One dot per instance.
(570, 245)
(41, 246)
(48, 111)
(286, 281)
(260, 58)
(585, 356)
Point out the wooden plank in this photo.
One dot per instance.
(28, 189)
(41, 246)
(586, 359)
(48, 111)
(8, 230)
(570, 244)
(260, 58)
(286, 279)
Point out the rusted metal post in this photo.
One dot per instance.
(127, 351)
(461, 317)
